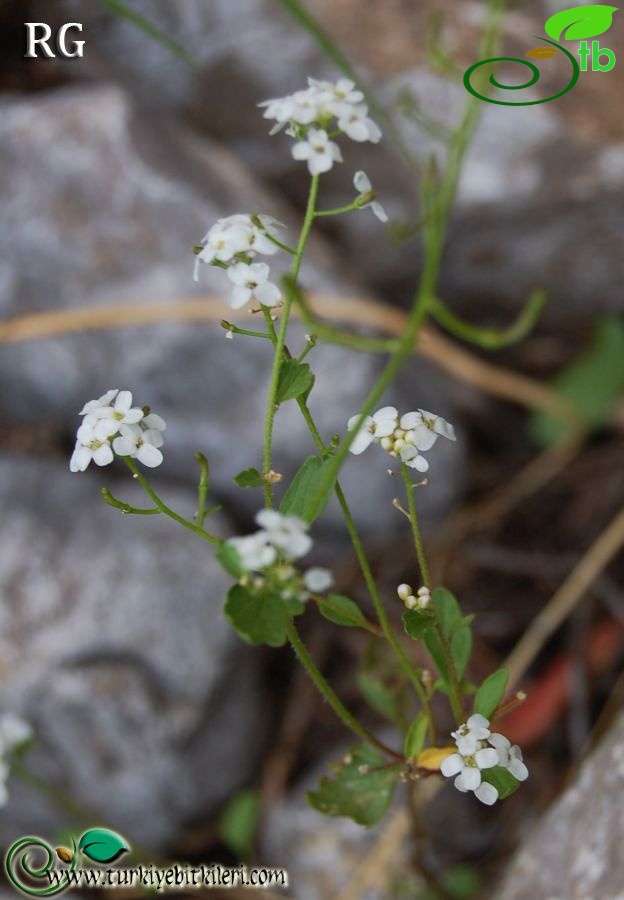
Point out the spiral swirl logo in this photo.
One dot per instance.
(576, 24)
(37, 869)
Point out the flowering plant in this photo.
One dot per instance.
(270, 587)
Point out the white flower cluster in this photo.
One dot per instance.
(420, 600)
(112, 425)
(233, 243)
(405, 437)
(478, 749)
(309, 113)
(13, 733)
(280, 537)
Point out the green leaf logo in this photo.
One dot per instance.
(102, 845)
(580, 22)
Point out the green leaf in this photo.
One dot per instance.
(258, 617)
(446, 609)
(341, 610)
(436, 652)
(580, 22)
(249, 478)
(491, 693)
(380, 696)
(102, 845)
(594, 383)
(416, 736)
(502, 779)
(297, 501)
(461, 649)
(296, 379)
(239, 822)
(147, 27)
(361, 796)
(417, 623)
(462, 882)
(230, 560)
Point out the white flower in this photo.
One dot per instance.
(318, 580)
(254, 551)
(121, 412)
(13, 732)
(319, 152)
(510, 757)
(140, 444)
(474, 754)
(344, 91)
(376, 427)
(468, 736)
(287, 533)
(467, 768)
(97, 450)
(154, 423)
(252, 283)
(94, 405)
(412, 458)
(423, 428)
(357, 125)
(240, 233)
(362, 184)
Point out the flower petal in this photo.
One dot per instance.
(486, 793)
(477, 721)
(486, 758)
(268, 294)
(518, 769)
(103, 456)
(149, 455)
(452, 765)
(499, 741)
(423, 437)
(240, 296)
(471, 777)
(362, 183)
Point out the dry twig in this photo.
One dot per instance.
(563, 602)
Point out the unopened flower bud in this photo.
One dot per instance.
(404, 591)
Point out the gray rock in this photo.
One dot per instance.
(574, 853)
(101, 206)
(324, 856)
(145, 706)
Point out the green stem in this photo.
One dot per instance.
(125, 507)
(334, 701)
(279, 243)
(202, 488)
(337, 210)
(412, 674)
(416, 534)
(437, 208)
(236, 329)
(492, 338)
(454, 689)
(281, 339)
(166, 510)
